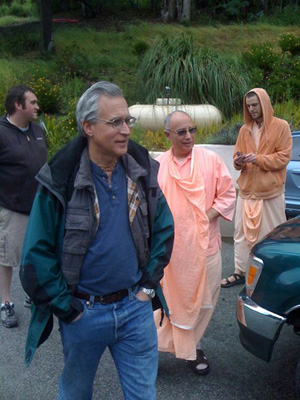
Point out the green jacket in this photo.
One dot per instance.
(50, 267)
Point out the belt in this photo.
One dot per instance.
(105, 299)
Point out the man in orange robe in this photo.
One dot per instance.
(261, 153)
(199, 189)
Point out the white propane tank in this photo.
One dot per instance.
(152, 117)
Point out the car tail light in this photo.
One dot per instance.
(254, 269)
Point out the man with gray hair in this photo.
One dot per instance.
(98, 239)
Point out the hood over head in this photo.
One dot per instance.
(267, 109)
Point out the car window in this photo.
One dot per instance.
(296, 148)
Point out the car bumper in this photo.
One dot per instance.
(259, 328)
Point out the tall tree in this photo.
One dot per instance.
(186, 10)
(46, 25)
(176, 9)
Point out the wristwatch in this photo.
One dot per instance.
(148, 292)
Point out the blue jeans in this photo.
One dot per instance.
(127, 328)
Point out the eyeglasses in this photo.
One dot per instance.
(117, 123)
(182, 132)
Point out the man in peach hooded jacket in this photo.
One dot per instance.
(261, 153)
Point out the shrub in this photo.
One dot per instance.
(71, 60)
(19, 43)
(21, 8)
(225, 135)
(285, 16)
(140, 48)
(71, 90)
(47, 91)
(18, 8)
(4, 10)
(74, 61)
(284, 82)
(288, 110)
(151, 140)
(262, 56)
(288, 42)
(59, 131)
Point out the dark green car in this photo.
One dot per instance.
(271, 296)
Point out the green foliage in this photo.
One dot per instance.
(194, 75)
(288, 110)
(284, 82)
(235, 8)
(278, 73)
(47, 91)
(70, 91)
(19, 43)
(59, 131)
(262, 56)
(140, 48)
(73, 61)
(18, 8)
(151, 140)
(285, 16)
(289, 42)
(21, 8)
(226, 135)
(4, 10)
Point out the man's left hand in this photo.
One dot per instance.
(250, 158)
(212, 214)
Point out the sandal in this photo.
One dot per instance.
(239, 280)
(201, 359)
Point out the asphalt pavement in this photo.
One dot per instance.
(235, 374)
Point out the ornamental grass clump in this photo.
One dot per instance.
(195, 75)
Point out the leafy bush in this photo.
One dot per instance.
(288, 42)
(140, 48)
(279, 75)
(71, 90)
(284, 81)
(225, 135)
(59, 131)
(4, 10)
(262, 56)
(73, 61)
(151, 140)
(285, 16)
(18, 8)
(21, 8)
(19, 43)
(288, 110)
(47, 91)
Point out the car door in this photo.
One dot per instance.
(292, 185)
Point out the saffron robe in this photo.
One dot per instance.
(191, 188)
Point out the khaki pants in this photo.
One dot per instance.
(12, 232)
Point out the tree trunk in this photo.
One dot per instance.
(266, 7)
(171, 10)
(46, 25)
(186, 10)
(179, 9)
(168, 10)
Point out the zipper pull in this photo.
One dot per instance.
(28, 138)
